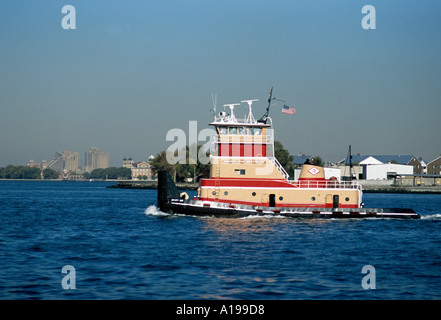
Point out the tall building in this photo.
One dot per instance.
(71, 161)
(67, 160)
(96, 159)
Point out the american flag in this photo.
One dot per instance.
(288, 110)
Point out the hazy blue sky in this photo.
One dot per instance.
(132, 70)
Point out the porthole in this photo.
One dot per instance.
(347, 198)
(313, 198)
(226, 193)
(254, 194)
(280, 198)
(214, 193)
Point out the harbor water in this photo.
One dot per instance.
(81, 240)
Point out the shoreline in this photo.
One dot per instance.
(401, 189)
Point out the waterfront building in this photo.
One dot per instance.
(434, 166)
(67, 160)
(140, 170)
(386, 171)
(381, 167)
(410, 160)
(418, 165)
(96, 158)
(32, 164)
(299, 160)
(128, 163)
(71, 161)
(66, 175)
(423, 166)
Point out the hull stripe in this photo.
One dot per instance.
(280, 205)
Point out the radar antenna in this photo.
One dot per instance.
(250, 118)
(232, 105)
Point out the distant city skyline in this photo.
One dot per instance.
(95, 158)
(132, 70)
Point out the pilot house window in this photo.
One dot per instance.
(255, 131)
(242, 130)
(239, 171)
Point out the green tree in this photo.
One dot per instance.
(284, 158)
(20, 172)
(181, 171)
(97, 174)
(124, 173)
(49, 173)
(160, 163)
(109, 173)
(118, 173)
(317, 161)
(11, 172)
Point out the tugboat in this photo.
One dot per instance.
(246, 179)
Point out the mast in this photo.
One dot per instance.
(269, 105)
(348, 159)
(214, 101)
(351, 167)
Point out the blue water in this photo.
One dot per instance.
(123, 248)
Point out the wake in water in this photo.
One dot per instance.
(154, 211)
(263, 217)
(436, 216)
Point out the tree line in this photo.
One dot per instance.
(25, 172)
(109, 173)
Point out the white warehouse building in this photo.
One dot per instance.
(385, 171)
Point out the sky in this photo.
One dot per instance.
(133, 70)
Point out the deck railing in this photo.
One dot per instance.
(326, 184)
(279, 167)
(242, 138)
